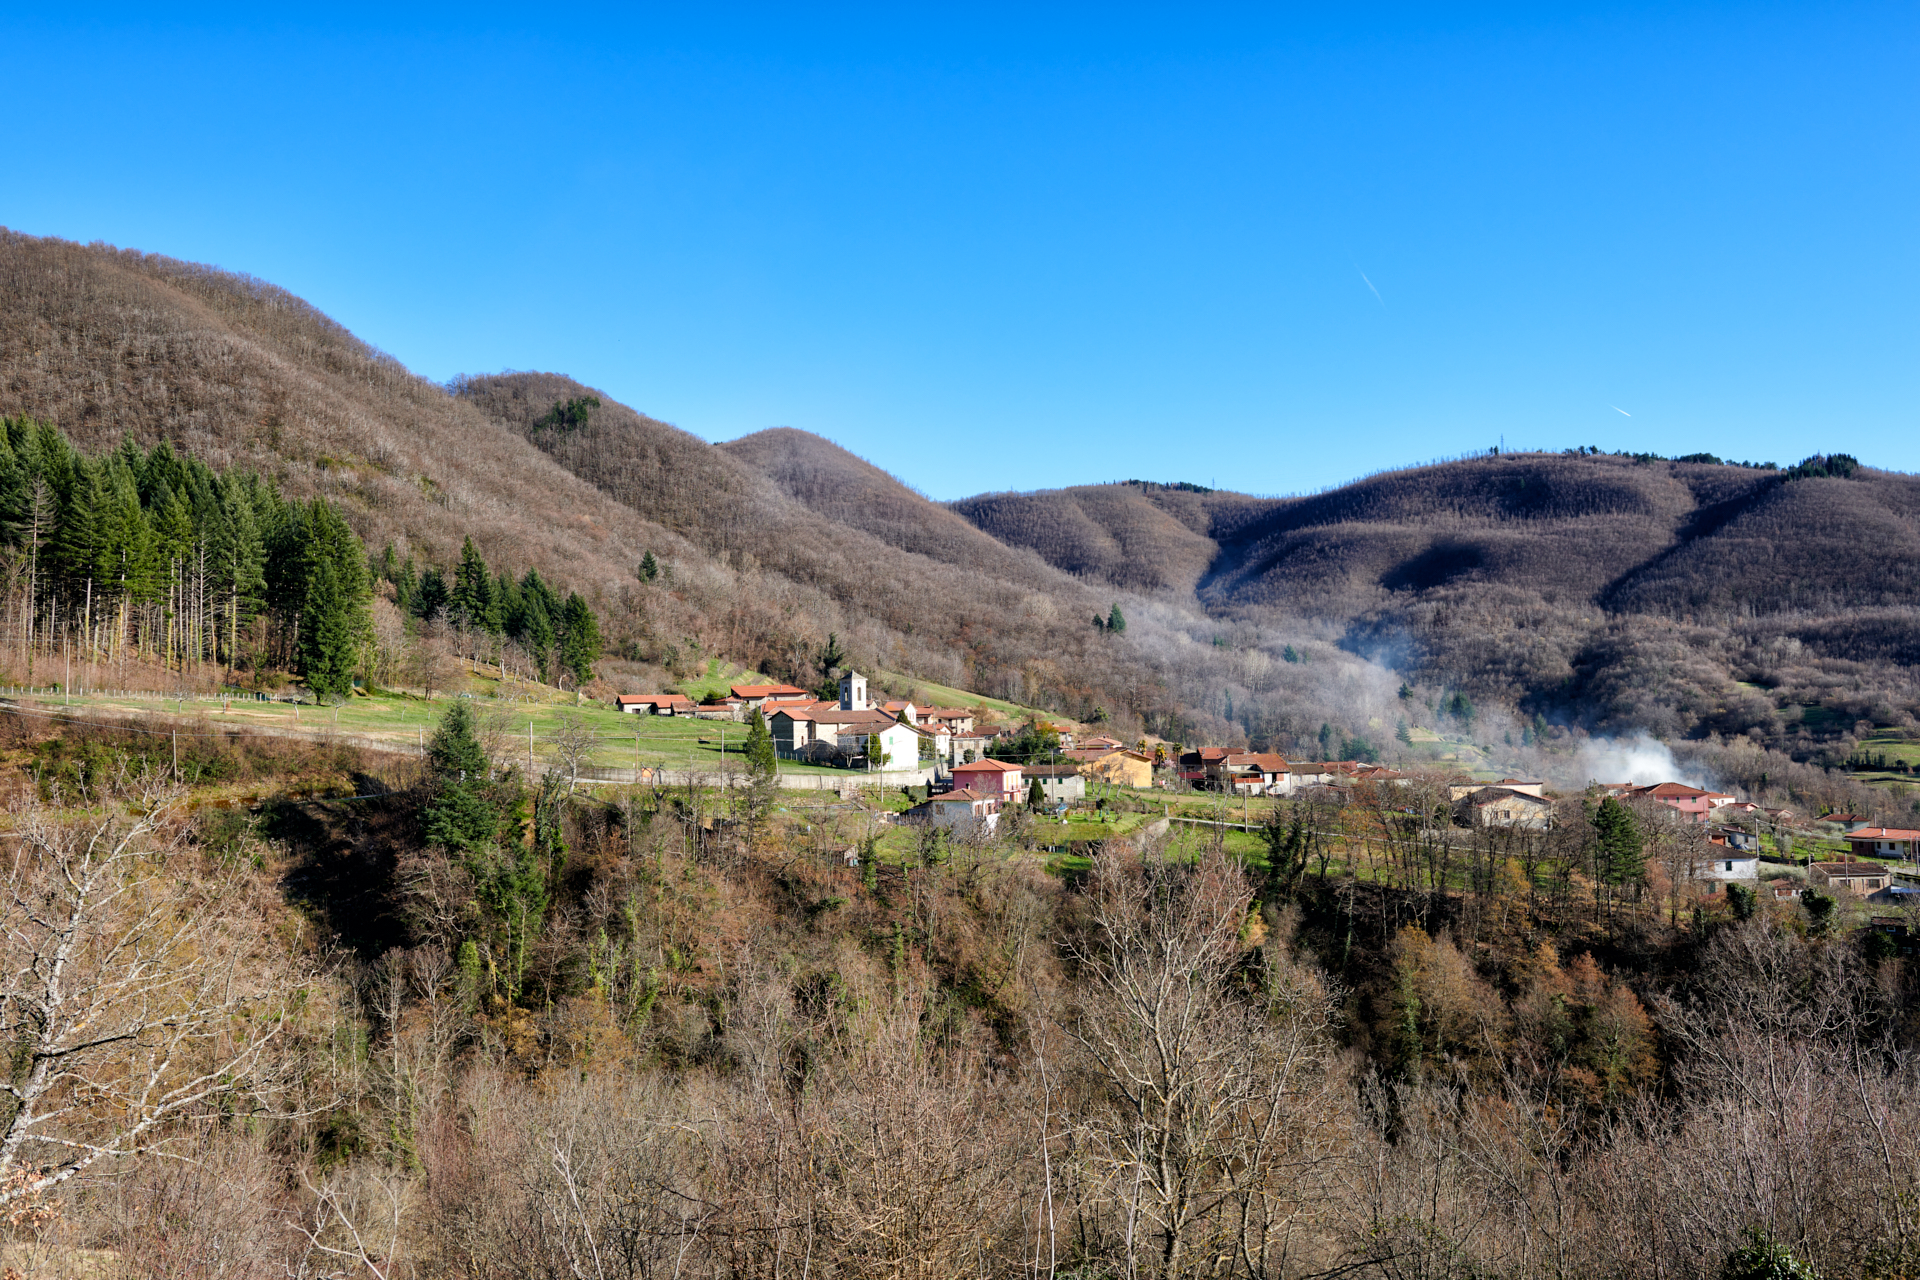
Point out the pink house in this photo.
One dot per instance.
(1692, 801)
(990, 778)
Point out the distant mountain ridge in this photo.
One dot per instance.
(1625, 535)
(1683, 598)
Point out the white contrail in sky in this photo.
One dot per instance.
(1376, 293)
(1618, 409)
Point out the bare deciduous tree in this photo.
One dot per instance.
(573, 741)
(139, 984)
(1214, 1126)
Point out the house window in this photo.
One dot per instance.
(1729, 866)
(1873, 884)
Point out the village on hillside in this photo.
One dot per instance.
(964, 771)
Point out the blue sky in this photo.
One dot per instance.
(1270, 248)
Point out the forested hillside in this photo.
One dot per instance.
(822, 543)
(1680, 597)
(1583, 593)
(108, 344)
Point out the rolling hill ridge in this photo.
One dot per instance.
(1604, 593)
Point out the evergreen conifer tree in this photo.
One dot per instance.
(831, 654)
(13, 490)
(77, 542)
(334, 621)
(1116, 621)
(462, 816)
(472, 603)
(1622, 857)
(761, 758)
(580, 638)
(431, 595)
(506, 601)
(539, 641)
(405, 586)
(173, 533)
(649, 567)
(236, 555)
(129, 572)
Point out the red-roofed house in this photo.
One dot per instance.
(755, 694)
(1884, 842)
(1691, 801)
(990, 777)
(1205, 765)
(958, 720)
(654, 704)
(1258, 773)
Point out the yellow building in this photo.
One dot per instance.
(1120, 768)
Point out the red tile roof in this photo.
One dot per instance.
(1679, 791)
(765, 691)
(1883, 833)
(987, 766)
(961, 793)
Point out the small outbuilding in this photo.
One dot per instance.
(654, 704)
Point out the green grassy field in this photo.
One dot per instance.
(717, 679)
(1442, 749)
(404, 723)
(1886, 757)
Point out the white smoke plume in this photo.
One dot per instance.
(1640, 760)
